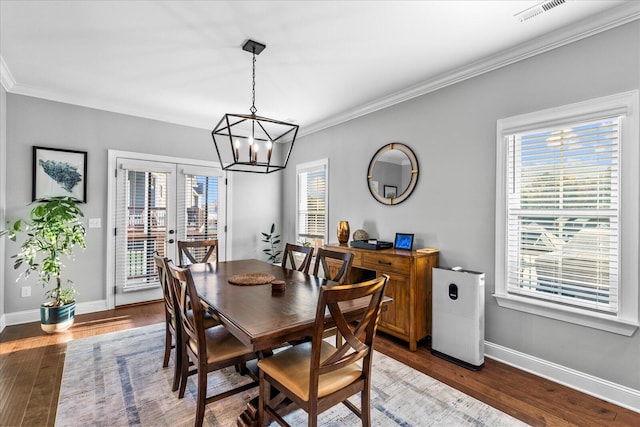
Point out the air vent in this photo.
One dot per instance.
(538, 9)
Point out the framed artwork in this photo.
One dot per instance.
(390, 191)
(403, 241)
(58, 172)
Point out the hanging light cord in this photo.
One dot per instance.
(253, 108)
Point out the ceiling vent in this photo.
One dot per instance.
(538, 9)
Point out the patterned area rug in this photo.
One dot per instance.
(117, 380)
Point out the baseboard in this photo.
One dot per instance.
(3, 323)
(606, 390)
(27, 316)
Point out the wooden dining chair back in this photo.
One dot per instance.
(297, 257)
(198, 251)
(317, 375)
(205, 349)
(173, 334)
(334, 265)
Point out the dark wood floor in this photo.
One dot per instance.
(31, 365)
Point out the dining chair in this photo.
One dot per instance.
(293, 254)
(325, 259)
(198, 251)
(317, 375)
(208, 349)
(173, 330)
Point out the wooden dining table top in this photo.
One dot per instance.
(256, 315)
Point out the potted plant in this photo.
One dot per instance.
(53, 231)
(272, 240)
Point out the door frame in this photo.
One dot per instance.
(113, 155)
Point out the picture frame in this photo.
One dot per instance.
(390, 191)
(59, 172)
(403, 241)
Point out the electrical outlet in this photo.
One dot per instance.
(25, 291)
(95, 223)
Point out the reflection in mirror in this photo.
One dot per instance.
(393, 169)
(393, 173)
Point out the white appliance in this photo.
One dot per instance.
(457, 332)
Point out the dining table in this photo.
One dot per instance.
(261, 317)
(257, 315)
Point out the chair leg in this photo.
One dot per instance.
(184, 371)
(178, 367)
(263, 418)
(365, 405)
(167, 346)
(202, 394)
(313, 417)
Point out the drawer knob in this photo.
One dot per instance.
(384, 262)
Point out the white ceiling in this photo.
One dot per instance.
(325, 61)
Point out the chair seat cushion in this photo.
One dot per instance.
(221, 345)
(291, 368)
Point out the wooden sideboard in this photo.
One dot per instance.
(409, 316)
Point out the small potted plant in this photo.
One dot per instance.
(53, 231)
(272, 239)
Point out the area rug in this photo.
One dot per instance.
(117, 379)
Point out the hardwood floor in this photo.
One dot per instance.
(31, 364)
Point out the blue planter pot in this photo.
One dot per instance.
(57, 319)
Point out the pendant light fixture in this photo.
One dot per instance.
(250, 143)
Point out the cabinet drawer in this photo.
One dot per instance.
(384, 263)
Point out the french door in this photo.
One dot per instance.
(158, 203)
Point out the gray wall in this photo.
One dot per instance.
(33, 121)
(453, 207)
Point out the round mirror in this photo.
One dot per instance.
(393, 174)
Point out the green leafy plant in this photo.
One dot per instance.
(53, 231)
(272, 239)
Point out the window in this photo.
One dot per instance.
(198, 204)
(312, 202)
(567, 213)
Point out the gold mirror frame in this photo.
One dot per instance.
(371, 179)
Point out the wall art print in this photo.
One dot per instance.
(58, 172)
(390, 191)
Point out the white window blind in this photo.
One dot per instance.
(198, 206)
(312, 203)
(141, 216)
(563, 210)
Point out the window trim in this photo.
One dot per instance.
(626, 104)
(303, 167)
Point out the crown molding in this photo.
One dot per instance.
(588, 27)
(6, 78)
